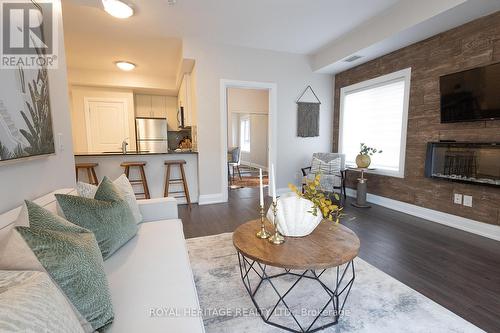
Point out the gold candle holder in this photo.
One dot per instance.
(276, 238)
(262, 233)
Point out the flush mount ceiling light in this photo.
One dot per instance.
(125, 65)
(117, 8)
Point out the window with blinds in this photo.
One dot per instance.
(375, 112)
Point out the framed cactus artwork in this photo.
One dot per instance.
(25, 115)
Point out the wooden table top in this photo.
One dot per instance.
(329, 245)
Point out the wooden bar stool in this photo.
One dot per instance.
(182, 180)
(142, 181)
(90, 167)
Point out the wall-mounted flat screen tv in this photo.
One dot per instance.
(471, 95)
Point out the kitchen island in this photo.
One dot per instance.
(109, 165)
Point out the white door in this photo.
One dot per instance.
(107, 124)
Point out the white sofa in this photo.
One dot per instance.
(150, 277)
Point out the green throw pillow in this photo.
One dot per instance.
(70, 255)
(108, 216)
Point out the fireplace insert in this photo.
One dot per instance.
(470, 162)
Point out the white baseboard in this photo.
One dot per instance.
(462, 223)
(183, 201)
(208, 199)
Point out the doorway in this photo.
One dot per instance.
(247, 137)
(249, 117)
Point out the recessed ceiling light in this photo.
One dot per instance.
(171, 2)
(117, 8)
(125, 65)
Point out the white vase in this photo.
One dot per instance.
(294, 216)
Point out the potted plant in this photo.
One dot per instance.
(363, 159)
(298, 213)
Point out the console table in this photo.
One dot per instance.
(301, 258)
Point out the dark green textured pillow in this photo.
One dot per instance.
(70, 255)
(108, 216)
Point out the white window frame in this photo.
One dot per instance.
(404, 74)
(242, 139)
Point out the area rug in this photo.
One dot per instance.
(248, 181)
(377, 302)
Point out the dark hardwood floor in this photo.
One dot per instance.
(458, 270)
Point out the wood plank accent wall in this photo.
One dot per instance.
(476, 43)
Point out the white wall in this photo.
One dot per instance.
(290, 72)
(258, 155)
(29, 179)
(244, 101)
(127, 80)
(248, 100)
(259, 124)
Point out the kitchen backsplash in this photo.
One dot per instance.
(175, 137)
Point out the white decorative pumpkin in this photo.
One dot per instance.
(294, 216)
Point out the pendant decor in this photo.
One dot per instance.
(308, 115)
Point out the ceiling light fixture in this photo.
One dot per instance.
(125, 65)
(353, 58)
(117, 8)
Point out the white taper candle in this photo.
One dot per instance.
(273, 175)
(261, 188)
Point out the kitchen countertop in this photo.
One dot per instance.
(133, 153)
(109, 165)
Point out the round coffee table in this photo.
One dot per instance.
(328, 246)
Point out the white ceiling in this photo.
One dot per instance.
(296, 26)
(94, 41)
(152, 38)
(160, 56)
(403, 24)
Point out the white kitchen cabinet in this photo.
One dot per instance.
(172, 121)
(185, 99)
(158, 106)
(142, 105)
(150, 106)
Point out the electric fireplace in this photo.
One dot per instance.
(470, 162)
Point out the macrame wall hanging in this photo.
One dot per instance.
(308, 116)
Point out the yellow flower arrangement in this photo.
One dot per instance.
(312, 192)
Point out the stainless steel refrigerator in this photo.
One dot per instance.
(151, 135)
